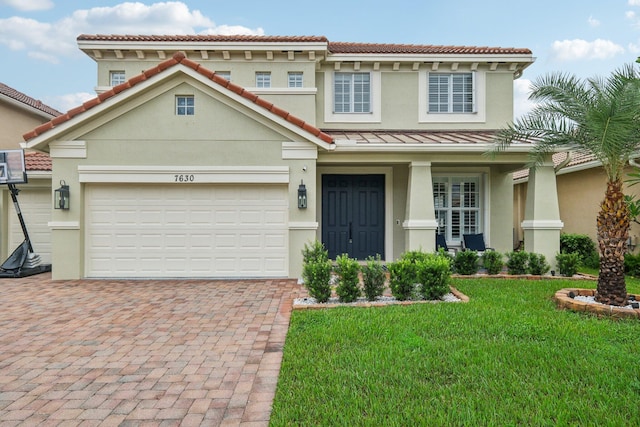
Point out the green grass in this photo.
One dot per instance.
(507, 357)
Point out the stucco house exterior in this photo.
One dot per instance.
(192, 159)
(19, 113)
(581, 183)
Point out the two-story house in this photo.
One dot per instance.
(222, 156)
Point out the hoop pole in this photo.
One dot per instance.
(14, 196)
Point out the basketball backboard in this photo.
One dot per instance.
(12, 167)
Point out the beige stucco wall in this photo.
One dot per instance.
(579, 196)
(15, 122)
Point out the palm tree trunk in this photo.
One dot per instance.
(613, 232)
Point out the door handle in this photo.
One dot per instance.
(350, 232)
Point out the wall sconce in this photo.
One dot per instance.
(61, 196)
(302, 196)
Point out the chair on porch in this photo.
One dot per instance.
(441, 243)
(475, 242)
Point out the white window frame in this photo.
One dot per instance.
(444, 211)
(263, 79)
(295, 79)
(116, 77)
(453, 92)
(375, 101)
(479, 101)
(184, 107)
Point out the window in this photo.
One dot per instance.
(458, 206)
(451, 93)
(224, 74)
(295, 79)
(116, 77)
(185, 105)
(263, 79)
(352, 93)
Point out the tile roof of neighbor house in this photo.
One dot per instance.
(334, 47)
(576, 159)
(27, 100)
(178, 58)
(36, 161)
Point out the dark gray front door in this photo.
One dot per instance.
(353, 215)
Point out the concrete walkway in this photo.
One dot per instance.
(141, 353)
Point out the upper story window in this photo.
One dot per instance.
(263, 79)
(451, 93)
(352, 93)
(295, 79)
(185, 105)
(116, 78)
(224, 74)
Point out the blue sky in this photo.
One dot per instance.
(586, 38)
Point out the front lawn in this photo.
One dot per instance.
(507, 357)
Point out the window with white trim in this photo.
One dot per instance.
(185, 105)
(457, 201)
(295, 79)
(352, 93)
(451, 93)
(116, 77)
(263, 79)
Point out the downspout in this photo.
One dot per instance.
(563, 163)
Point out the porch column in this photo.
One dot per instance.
(420, 222)
(542, 222)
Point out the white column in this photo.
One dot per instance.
(420, 222)
(542, 222)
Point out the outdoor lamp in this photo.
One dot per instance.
(61, 196)
(302, 196)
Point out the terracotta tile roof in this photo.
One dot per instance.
(338, 47)
(413, 136)
(179, 58)
(202, 38)
(27, 100)
(577, 159)
(36, 161)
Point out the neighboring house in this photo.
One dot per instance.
(20, 113)
(195, 166)
(581, 183)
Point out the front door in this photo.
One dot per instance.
(353, 215)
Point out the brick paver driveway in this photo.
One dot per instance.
(119, 353)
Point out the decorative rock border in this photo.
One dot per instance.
(462, 297)
(565, 302)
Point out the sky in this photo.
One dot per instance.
(586, 38)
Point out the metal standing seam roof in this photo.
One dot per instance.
(413, 136)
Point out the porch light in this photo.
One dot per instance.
(302, 196)
(61, 196)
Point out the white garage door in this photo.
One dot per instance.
(36, 208)
(186, 231)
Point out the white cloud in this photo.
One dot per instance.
(593, 22)
(634, 2)
(69, 101)
(576, 49)
(521, 103)
(28, 5)
(48, 41)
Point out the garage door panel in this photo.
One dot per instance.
(35, 205)
(187, 231)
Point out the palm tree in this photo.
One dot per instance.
(600, 117)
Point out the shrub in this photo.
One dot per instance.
(517, 262)
(492, 262)
(434, 274)
(632, 264)
(466, 262)
(402, 278)
(316, 271)
(348, 288)
(582, 245)
(538, 264)
(568, 263)
(373, 278)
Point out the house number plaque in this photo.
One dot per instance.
(184, 177)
